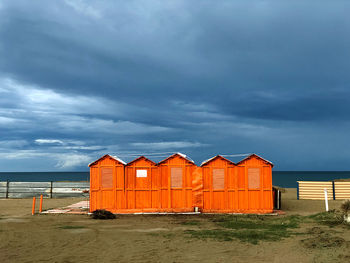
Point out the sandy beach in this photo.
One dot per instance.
(165, 238)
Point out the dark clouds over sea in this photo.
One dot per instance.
(79, 79)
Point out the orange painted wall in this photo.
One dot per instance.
(107, 195)
(219, 198)
(142, 192)
(177, 199)
(236, 196)
(128, 193)
(260, 199)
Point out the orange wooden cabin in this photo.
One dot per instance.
(244, 187)
(176, 184)
(142, 185)
(107, 184)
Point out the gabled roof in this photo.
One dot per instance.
(254, 155)
(141, 157)
(215, 157)
(178, 154)
(110, 156)
(236, 159)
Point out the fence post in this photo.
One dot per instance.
(279, 199)
(333, 190)
(326, 198)
(7, 188)
(298, 191)
(41, 204)
(51, 189)
(33, 206)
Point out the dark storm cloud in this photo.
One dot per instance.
(205, 78)
(226, 52)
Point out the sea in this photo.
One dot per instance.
(286, 179)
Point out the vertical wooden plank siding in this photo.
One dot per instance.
(141, 185)
(218, 185)
(107, 184)
(246, 188)
(241, 189)
(176, 189)
(259, 185)
(177, 185)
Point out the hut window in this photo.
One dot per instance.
(107, 177)
(253, 178)
(141, 173)
(176, 177)
(218, 179)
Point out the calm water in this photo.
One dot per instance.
(280, 178)
(290, 178)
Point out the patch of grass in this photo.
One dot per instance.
(254, 237)
(217, 234)
(71, 227)
(250, 236)
(190, 223)
(330, 218)
(258, 222)
(250, 228)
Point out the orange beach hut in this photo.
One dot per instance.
(218, 185)
(107, 184)
(176, 183)
(142, 185)
(242, 187)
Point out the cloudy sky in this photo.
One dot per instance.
(79, 79)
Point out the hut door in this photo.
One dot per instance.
(143, 195)
(218, 189)
(214, 194)
(107, 195)
(176, 184)
(254, 188)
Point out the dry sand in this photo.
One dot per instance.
(146, 238)
(291, 205)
